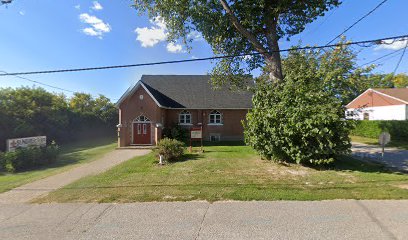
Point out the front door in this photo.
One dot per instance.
(141, 133)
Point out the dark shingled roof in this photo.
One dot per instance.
(194, 92)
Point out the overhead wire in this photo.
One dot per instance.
(358, 21)
(361, 43)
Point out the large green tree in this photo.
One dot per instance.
(301, 119)
(26, 112)
(238, 27)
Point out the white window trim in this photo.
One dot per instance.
(185, 113)
(215, 123)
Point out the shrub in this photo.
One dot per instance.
(170, 149)
(298, 119)
(372, 129)
(176, 132)
(27, 158)
(51, 152)
(2, 162)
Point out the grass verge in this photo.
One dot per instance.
(233, 173)
(72, 155)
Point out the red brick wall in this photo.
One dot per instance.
(133, 107)
(230, 130)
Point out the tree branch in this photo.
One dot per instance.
(257, 45)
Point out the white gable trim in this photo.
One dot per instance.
(133, 90)
(370, 89)
(359, 96)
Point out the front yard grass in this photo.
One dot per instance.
(71, 155)
(233, 173)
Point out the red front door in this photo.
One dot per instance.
(141, 133)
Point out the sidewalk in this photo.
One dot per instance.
(339, 219)
(30, 191)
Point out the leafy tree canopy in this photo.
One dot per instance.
(302, 118)
(237, 27)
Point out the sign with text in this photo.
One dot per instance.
(13, 144)
(196, 133)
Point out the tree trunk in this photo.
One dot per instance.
(274, 65)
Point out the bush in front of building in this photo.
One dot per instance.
(373, 128)
(300, 118)
(176, 132)
(28, 158)
(171, 149)
(2, 162)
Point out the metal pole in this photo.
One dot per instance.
(202, 138)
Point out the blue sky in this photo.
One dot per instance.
(49, 34)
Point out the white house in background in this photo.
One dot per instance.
(379, 104)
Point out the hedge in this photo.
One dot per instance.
(372, 129)
(28, 158)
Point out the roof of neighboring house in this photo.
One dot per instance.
(400, 93)
(191, 92)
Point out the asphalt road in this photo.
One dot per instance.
(340, 219)
(393, 157)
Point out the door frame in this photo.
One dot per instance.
(133, 130)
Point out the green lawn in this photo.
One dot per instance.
(71, 155)
(233, 173)
(373, 141)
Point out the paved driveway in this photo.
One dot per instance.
(393, 157)
(30, 191)
(341, 219)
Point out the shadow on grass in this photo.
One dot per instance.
(348, 163)
(190, 157)
(86, 144)
(70, 154)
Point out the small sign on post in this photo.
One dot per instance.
(384, 139)
(13, 144)
(196, 134)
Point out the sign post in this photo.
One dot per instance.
(196, 134)
(384, 139)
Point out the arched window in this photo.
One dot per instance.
(141, 118)
(185, 117)
(215, 117)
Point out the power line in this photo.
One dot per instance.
(384, 56)
(400, 60)
(47, 85)
(37, 82)
(374, 41)
(359, 20)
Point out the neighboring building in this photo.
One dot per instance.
(161, 101)
(379, 104)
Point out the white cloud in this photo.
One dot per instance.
(393, 45)
(77, 7)
(97, 27)
(22, 13)
(174, 47)
(195, 36)
(96, 6)
(148, 37)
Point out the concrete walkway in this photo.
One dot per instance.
(340, 219)
(394, 158)
(30, 191)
